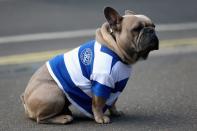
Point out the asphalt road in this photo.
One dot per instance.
(162, 93)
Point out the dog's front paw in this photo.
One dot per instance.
(102, 119)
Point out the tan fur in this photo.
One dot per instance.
(103, 36)
(120, 38)
(97, 107)
(45, 102)
(43, 99)
(124, 39)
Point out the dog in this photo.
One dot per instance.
(91, 77)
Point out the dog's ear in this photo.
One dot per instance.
(113, 18)
(129, 12)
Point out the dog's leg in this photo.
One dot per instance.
(48, 104)
(113, 110)
(98, 104)
(44, 101)
(63, 117)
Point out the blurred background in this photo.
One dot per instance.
(162, 93)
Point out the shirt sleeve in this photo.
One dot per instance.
(102, 85)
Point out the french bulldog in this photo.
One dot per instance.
(91, 77)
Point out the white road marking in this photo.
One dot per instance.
(177, 27)
(85, 33)
(166, 48)
(47, 36)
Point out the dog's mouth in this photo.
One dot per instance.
(143, 54)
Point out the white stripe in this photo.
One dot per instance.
(74, 69)
(67, 96)
(102, 67)
(120, 71)
(102, 61)
(86, 33)
(104, 79)
(97, 46)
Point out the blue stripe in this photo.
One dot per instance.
(119, 86)
(76, 94)
(86, 68)
(110, 52)
(100, 90)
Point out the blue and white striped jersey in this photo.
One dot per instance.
(91, 69)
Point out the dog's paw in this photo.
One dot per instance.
(102, 120)
(67, 119)
(62, 119)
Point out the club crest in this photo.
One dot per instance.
(86, 56)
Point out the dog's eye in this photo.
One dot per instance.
(137, 29)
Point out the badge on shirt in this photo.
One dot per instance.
(86, 56)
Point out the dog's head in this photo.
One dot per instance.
(134, 33)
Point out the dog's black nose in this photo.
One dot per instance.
(154, 42)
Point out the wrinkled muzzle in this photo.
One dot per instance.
(148, 41)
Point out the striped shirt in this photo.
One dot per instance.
(91, 69)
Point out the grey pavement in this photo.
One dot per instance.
(32, 16)
(162, 93)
